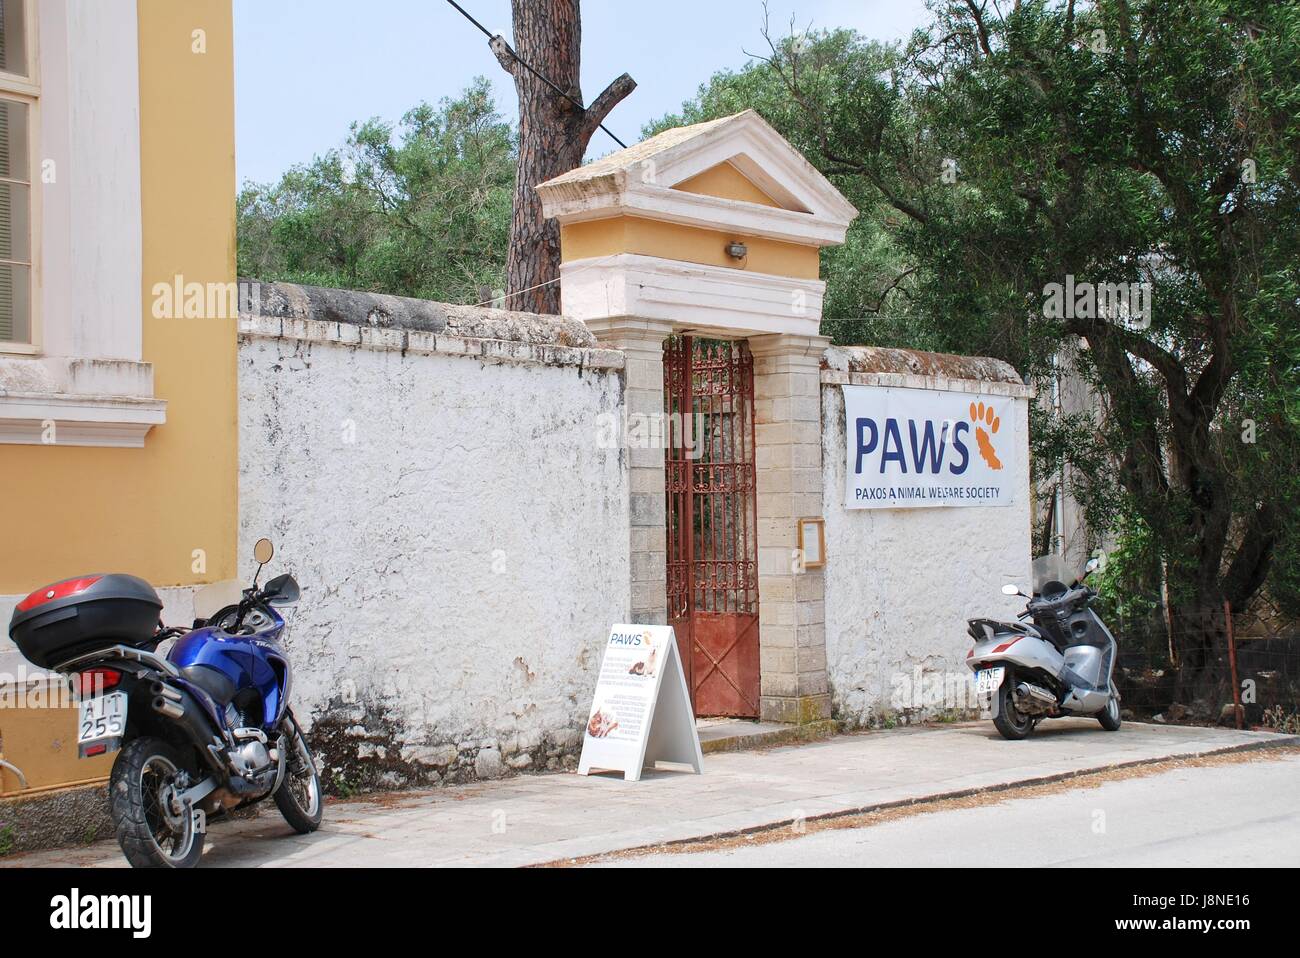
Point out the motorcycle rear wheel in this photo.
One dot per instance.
(299, 796)
(151, 832)
(1010, 723)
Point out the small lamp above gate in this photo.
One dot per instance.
(812, 542)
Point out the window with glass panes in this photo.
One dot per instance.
(17, 105)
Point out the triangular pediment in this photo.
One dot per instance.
(735, 173)
(727, 181)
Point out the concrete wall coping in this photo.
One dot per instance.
(381, 311)
(421, 342)
(942, 383)
(916, 369)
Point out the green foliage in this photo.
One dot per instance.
(1128, 584)
(1005, 148)
(423, 210)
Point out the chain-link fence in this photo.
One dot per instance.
(1186, 670)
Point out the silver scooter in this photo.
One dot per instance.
(1056, 661)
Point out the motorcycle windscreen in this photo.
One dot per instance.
(209, 599)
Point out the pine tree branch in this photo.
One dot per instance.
(504, 54)
(610, 97)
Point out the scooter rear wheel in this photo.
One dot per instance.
(1109, 717)
(1010, 723)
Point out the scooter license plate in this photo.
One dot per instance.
(100, 723)
(988, 681)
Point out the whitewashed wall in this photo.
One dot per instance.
(458, 532)
(901, 583)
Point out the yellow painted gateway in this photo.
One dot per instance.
(118, 419)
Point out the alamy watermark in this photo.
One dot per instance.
(179, 299)
(935, 691)
(633, 430)
(1127, 303)
(76, 911)
(44, 690)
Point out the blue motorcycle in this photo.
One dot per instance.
(202, 731)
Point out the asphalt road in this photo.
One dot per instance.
(1240, 814)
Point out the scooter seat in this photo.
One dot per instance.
(998, 625)
(984, 629)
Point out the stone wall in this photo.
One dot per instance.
(901, 583)
(434, 478)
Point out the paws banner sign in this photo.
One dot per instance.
(913, 448)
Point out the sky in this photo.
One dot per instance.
(306, 69)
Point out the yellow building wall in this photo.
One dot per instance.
(635, 234)
(42, 740)
(727, 182)
(70, 510)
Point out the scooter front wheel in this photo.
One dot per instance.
(1010, 722)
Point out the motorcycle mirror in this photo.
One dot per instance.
(1010, 589)
(263, 551)
(282, 590)
(1093, 565)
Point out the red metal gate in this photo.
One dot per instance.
(712, 524)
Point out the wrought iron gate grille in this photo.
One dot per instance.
(711, 520)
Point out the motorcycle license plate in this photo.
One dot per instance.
(988, 681)
(100, 723)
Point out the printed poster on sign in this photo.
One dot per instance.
(915, 448)
(641, 712)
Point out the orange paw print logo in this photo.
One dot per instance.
(986, 427)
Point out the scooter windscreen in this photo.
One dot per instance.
(1050, 569)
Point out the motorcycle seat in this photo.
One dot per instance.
(211, 681)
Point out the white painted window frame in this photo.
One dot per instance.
(26, 89)
(84, 372)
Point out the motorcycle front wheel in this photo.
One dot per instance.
(1010, 723)
(299, 795)
(152, 829)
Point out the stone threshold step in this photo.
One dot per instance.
(734, 735)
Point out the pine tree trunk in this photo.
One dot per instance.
(553, 135)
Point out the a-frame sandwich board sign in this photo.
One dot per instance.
(641, 713)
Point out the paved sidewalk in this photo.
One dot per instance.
(535, 819)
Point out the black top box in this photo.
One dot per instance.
(80, 615)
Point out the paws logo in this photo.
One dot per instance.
(986, 427)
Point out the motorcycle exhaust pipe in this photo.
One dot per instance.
(168, 708)
(166, 691)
